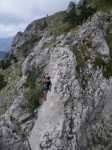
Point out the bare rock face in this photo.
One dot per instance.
(77, 114)
(9, 137)
(51, 115)
(24, 42)
(78, 105)
(17, 38)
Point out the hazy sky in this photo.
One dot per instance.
(15, 15)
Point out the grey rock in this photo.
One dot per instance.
(77, 114)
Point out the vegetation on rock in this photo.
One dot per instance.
(6, 62)
(11, 76)
(105, 66)
(2, 81)
(56, 24)
(101, 4)
(79, 13)
(33, 90)
(82, 55)
(109, 39)
(26, 47)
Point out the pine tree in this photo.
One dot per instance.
(101, 4)
(71, 16)
(86, 10)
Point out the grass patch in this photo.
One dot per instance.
(2, 81)
(105, 66)
(32, 96)
(6, 62)
(33, 90)
(82, 54)
(79, 14)
(56, 24)
(109, 38)
(48, 45)
(99, 62)
(39, 24)
(11, 75)
(107, 71)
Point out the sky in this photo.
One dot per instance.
(15, 15)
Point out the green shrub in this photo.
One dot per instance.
(11, 77)
(81, 63)
(71, 17)
(48, 45)
(107, 71)
(105, 66)
(101, 4)
(56, 24)
(13, 58)
(79, 14)
(2, 81)
(82, 54)
(44, 24)
(6, 62)
(33, 89)
(31, 79)
(99, 62)
(32, 96)
(86, 12)
(109, 38)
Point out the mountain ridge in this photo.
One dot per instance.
(76, 114)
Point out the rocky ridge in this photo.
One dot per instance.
(77, 114)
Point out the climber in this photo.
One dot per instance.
(46, 85)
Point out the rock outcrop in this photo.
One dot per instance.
(80, 97)
(70, 6)
(77, 114)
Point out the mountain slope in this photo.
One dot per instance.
(80, 98)
(77, 114)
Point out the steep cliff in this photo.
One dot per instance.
(77, 114)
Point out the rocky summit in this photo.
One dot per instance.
(77, 113)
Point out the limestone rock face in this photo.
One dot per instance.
(77, 113)
(78, 105)
(9, 138)
(17, 38)
(51, 115)
(79, 102)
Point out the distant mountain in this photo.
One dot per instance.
(5, 44)
(2, 54)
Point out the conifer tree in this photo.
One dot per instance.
(101, 4)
